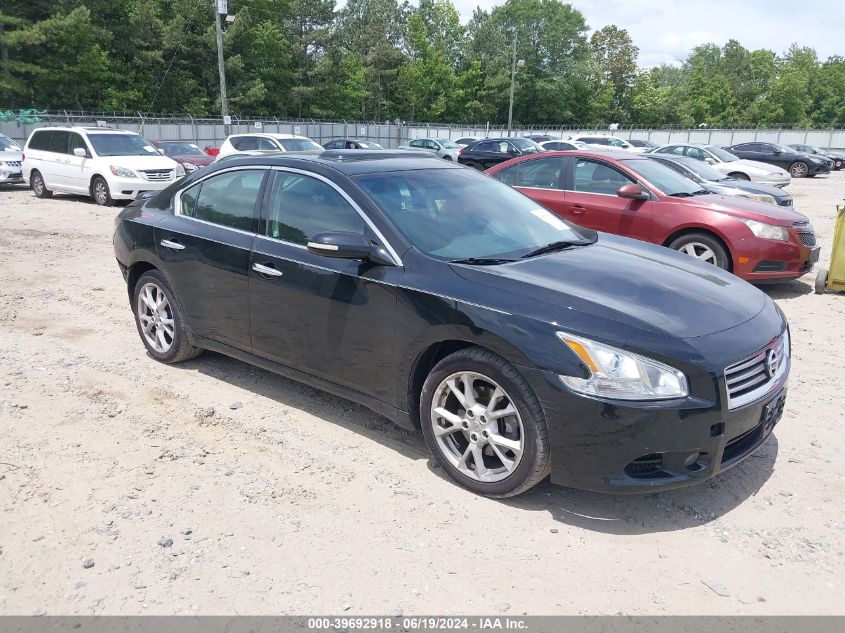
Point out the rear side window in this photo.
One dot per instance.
(58, 142)
(40, 140)
(334, 145)
(227, 199)
(543, 173)
(245, 143)
(301, 207)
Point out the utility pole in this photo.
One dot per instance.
(221, 5)
(514, 64)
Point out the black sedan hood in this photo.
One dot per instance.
(631, 282)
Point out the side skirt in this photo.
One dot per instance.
(401, 418)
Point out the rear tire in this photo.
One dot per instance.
(39, 187)
(100, 192)
(704, 247)
(505, 428)
(160, 320)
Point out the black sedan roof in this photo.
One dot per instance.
(352, 162)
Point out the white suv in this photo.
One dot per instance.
(103, 163)
(269, 142)
(612, 142)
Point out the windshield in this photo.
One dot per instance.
(702, 169)
(666, 179)
(7, 143)
(526, 145)
(182, 149)
(298, 144)
(460, 214)
(121, 145)
(722, 154)
(447, 144)
(784, 149)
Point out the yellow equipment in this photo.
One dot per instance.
(834, 279)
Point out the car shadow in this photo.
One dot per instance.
(611, 514)
(787, 289)
(321, 404)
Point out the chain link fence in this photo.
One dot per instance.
(210, 132)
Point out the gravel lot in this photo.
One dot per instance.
(213, 487)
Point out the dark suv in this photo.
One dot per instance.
(492, 151)
(798, 164)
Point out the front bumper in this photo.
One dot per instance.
(10, 177)
(129, 188)
(816, 170)
(619, 447)
(778, 180)
(759, 260)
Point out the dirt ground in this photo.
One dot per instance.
(214, 487)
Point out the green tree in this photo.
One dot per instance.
(615, 57)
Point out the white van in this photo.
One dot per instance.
(103, 163)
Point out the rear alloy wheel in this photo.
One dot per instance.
(100, 192)
(160, 321)
(484, 425)
(798, 169)
(38, 187)
(702, 247)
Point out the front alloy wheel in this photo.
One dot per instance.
(798, 170)
(484, 424)
(477, 427)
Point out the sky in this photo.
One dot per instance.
(665, 30)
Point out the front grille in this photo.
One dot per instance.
(12, 163)
(751, 378)
(157, 174)
(805, 233)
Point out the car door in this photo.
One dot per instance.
(590, 199)
(55, 161)
(332, 318)
(79, 171)
(206, 246)
(773, 155)
(539, 179)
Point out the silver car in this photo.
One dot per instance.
(729, 164)
(442, 147)
(11, 155)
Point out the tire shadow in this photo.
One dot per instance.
(787, 289)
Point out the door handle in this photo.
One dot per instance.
(577, 208)
(270, 271)
(172, 245)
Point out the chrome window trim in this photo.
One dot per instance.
(394, 255)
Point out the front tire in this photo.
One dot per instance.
(100, 192)
(160, 321)
(484, 424)
(798, 169)
(39, 187)
(703, 247)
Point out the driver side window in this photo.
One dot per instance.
(593, 177)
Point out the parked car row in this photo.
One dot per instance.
(520, 340)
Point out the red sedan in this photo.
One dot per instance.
(638, 197)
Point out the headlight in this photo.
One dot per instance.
(760, 197)
(122, 172)
(189, 166)
(180, 171)
(766, 231)
(615, 373)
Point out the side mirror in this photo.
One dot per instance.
(348, 246)
(80, 151)
(632, 191)
(512, 151)
(777, 152)
(709, 161)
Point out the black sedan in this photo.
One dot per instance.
(798, 164)
(836, 158)
(492, 151)
(522, 345)
(717, 182)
